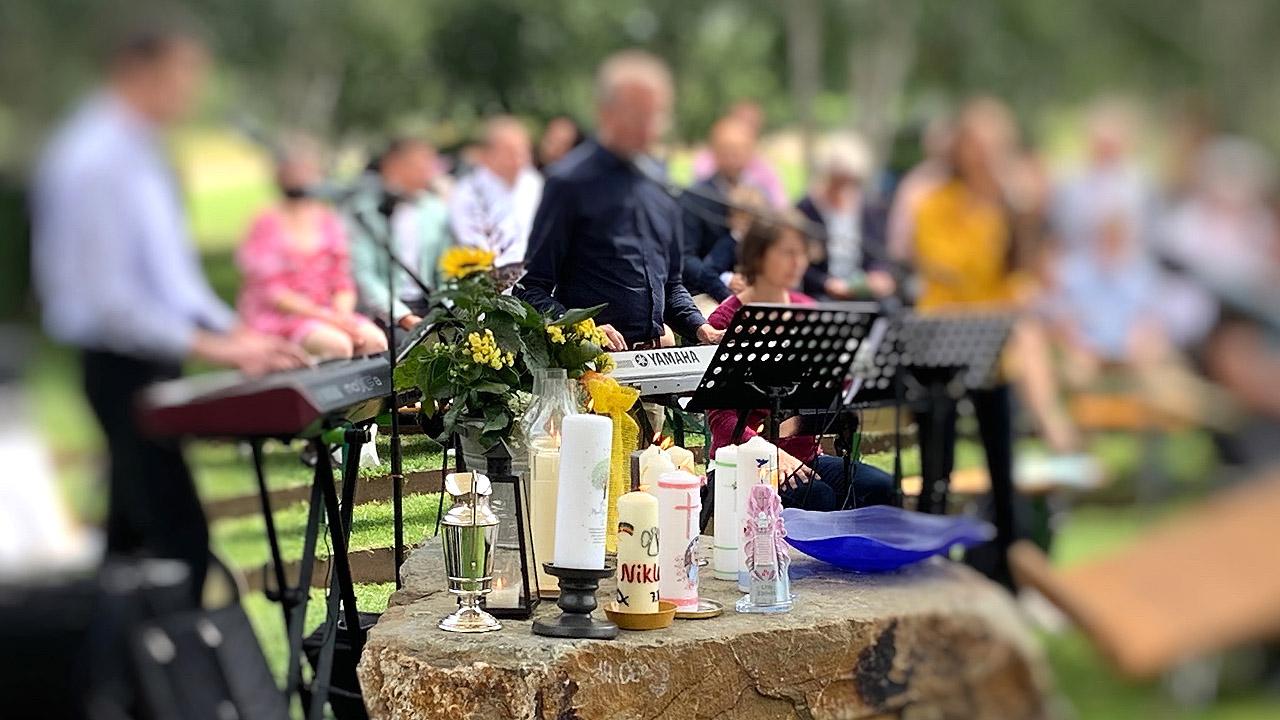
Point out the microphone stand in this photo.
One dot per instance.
(386, 208)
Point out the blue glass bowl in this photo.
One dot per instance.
(879, 538)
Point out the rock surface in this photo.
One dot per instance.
(935, 641)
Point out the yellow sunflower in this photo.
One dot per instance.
(459, 262)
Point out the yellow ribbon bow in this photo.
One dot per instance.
(612, 400)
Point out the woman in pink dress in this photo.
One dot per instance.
(297, 279)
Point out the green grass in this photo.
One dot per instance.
(242, 541)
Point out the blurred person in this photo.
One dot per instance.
(297, 274)
(396, 205)
(919, 181)
(840, 267)
(118, 278)
(493, 206)
(1225, 244)
(606, 233)
(774, 256)
(561, 135)
(964, 251)
(1111, 192)
(757, 170)
(709, 248)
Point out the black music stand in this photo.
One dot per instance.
(783, 357)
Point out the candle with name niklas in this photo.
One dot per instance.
(679, 505)
(637, 553)
(580, 498)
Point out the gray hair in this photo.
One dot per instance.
(631, 67)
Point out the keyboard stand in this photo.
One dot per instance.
(341, 599)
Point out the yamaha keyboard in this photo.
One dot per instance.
(664, 371)
(295, 403)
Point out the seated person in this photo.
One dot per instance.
(774, 257)
(297, 280)
(396, 201)
(492, 207)
(708, 245)
(844, 264)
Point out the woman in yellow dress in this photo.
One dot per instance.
(964, 250)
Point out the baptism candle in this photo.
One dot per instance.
(544, 466)
(726, 513)
(679, 504)
(757, 462)
(637, 552)
(580, 498)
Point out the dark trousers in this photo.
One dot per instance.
(831, 489)
(994, 411)
(154, 510)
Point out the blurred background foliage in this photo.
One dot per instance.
(359, 69)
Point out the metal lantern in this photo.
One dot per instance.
(514, 592)
(469, 530)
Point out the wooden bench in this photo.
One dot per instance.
(1201, 582)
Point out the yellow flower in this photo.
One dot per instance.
(556, 333)
(484, 349)
(605, 363)
(585, 328)
(459, 262)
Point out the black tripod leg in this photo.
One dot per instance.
(299, 595)
(934, 451)
(677, 426)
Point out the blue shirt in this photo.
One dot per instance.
(112, 261)
(606, 234)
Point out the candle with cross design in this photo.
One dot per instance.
(679, 504)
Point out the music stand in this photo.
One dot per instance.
(783, 357)
(944, 355)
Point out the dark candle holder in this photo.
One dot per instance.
(577, 600)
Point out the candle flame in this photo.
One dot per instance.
(667, 443)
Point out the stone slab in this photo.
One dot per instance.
(934, 641)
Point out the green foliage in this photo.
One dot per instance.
(480, 371)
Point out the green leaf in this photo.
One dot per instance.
(499, 421)
(577, 315)
(512, 306)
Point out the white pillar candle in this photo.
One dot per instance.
(679, 504)
(654, 463)
(637, 553)
(544, 477)
(757, 462)
(681, 458)
(580, 497)
(725, 557)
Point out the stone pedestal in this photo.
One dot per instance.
(934, 641)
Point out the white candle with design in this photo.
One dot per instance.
(679, 505)
(725, 557)
(637, 553)
(757, 463)
(544, 476)
(580, 497)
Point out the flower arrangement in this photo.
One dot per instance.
(479, 373)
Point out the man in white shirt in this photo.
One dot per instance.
(493, 206)
(118, 278)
